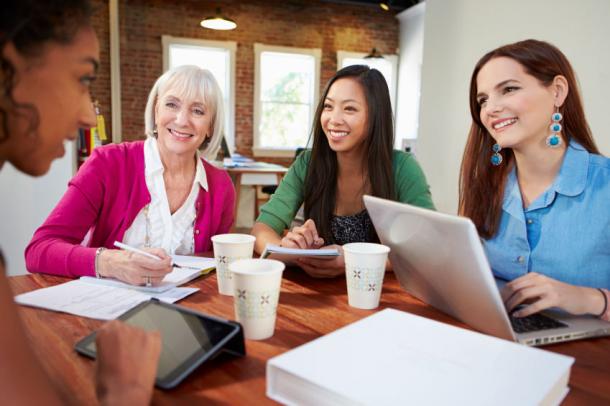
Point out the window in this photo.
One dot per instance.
(286, 88)
(388, 66)
(216, 56)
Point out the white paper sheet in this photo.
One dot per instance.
(200, 263)
(94, 300)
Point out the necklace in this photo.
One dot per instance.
(147, 237)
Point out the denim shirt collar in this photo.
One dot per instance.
(572, 178)
(571, 181)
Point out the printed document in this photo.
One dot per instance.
(95, 301)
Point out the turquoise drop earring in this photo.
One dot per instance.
(496, 158)
(554, 140)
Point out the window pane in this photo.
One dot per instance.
(214, 60)
(382, 65)
(286, 99)
(284, 125)
(217, 61)
(286, 77)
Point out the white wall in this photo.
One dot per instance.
(25, 203)
(409, 72)
(458, 33)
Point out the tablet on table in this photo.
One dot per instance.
(189, 338)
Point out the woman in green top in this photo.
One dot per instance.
(351, 156)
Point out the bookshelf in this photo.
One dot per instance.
(91, 138)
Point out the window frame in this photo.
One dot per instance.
(231, 46)
(257, 150)
(392, 58)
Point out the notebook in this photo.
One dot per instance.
(289, 255)
(191, 268)
(396, 358)
(439, 259)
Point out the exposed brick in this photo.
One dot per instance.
(298, 23)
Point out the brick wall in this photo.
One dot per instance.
(298, 23)
(100, 90)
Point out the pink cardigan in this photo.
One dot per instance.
(105, 197)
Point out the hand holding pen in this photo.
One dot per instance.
(147, 254)
(137, 267)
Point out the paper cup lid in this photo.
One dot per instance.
(366, 248)
(233, 238)
(256, 266)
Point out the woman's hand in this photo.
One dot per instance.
(305, 237)
(134, 268)
(324, 268)
(127, 359)
(540, 292)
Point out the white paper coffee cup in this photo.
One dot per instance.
(364, 272)
(229, 248)
(256, 284)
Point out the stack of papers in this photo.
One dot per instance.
(106, 299)
(396, 358)
(94, 300)
(248, 163)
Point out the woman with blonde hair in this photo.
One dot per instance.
(160, 194)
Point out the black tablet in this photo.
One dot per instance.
(189, 338)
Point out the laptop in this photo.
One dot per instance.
(439, 259)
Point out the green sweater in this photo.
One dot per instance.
(410, 185)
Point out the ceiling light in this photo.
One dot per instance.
(218, 22)
(385, 5)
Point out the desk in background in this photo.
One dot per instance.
(308, 309)
(256, 174)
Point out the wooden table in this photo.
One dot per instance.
(308, 308)
(277, 170)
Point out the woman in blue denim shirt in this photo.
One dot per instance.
(534, 184)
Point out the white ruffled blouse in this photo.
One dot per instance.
(172, 232)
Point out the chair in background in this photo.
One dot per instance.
(270, 189)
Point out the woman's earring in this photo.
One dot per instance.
(496, 158)
(155, 132)
(554, 140)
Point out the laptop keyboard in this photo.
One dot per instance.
(535, 322)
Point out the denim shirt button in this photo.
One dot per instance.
(521, 259)
(530, 221)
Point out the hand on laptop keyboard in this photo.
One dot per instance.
(535, 322)
(540, 292)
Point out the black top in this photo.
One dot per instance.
(355, 228)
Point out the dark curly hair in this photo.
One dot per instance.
(29, 25)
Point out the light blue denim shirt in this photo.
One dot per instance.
(565, 232)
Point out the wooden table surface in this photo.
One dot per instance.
(308, 308)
